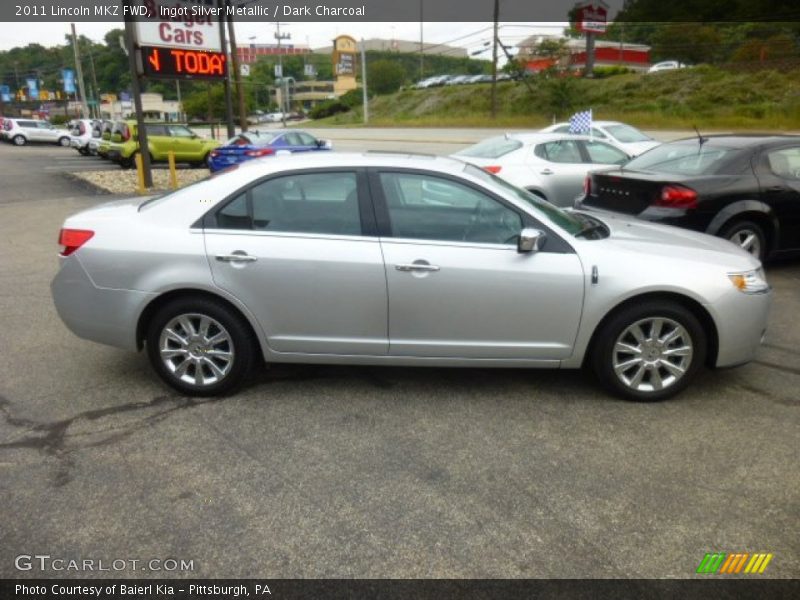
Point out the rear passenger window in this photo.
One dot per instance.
(321, 203)
(564, 151)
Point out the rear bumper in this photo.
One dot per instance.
(106, 316)
(741, 321)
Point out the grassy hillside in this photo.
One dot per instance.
(705, 96)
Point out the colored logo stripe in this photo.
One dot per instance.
(723, 563)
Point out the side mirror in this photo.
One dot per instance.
(530, 240)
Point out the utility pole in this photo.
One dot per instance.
(494, 59)
(79, 69)
(137, 97)
(421, 44)
(180, 104)
(364, 82)
(589, 71)
(227, 80)
(279, 36)
(237, 74)
(94, 84)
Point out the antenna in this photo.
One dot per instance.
(700, 139)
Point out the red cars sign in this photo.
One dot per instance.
(591, 16)
(180, 63)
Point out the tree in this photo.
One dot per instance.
(385, 76)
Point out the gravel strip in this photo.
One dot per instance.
(124, 182)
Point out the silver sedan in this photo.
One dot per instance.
(400, 260)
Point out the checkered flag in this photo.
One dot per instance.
(581, 122)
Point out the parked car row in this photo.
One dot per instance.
(745, 189)
(439, 80)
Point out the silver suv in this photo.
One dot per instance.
(396, 260)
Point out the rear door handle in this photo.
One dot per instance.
(546, 172)
(230, 258)
(416, 267)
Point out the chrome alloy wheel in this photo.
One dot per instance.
(748, 240)
(652, 354)
(196, 349)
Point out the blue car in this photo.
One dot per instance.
(255, 144)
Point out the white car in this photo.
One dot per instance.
(21, 131)
(622, 135)
(666, 65)
(81, 134)
(551, 165)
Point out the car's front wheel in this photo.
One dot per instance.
(200, 347)
(749, 236)
(649, 351)
(63, 141)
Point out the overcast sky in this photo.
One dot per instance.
(469, 35)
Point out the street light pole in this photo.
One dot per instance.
(494, 59)
(279, 37)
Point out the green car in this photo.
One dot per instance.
(161, 138)
(105, 139)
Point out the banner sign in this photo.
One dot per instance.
(68, 77)
(33, 88)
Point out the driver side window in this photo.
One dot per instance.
(433, 208)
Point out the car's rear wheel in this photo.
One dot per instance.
(649, 351)
(63, 141)
(200, 347)
(748, 235)
(19, 140)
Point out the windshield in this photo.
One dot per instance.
(627, 134)
(251, 138)
(492, 148)
(567, 221)
(688, 157)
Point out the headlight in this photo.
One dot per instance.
(750, 282)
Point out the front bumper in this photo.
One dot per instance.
(103, 315)
(741, 321)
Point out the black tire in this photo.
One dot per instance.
(740, 230)
(616, 328)
(241, 345)
(19, 140)
(63, 142)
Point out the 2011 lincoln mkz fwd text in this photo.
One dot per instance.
(383, 259)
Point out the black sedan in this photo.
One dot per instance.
(743, 188)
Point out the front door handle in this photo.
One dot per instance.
(546, 172)
(236, 257)
(416, 267)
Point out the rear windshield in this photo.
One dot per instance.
(492, 148)
(684, 158)
(627, 134)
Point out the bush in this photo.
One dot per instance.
(603, 72)
(59, 119)
(328, 109)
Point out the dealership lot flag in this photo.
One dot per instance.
(581, 122)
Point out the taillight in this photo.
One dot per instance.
(72, 239)
(81, 128)
(587, 186)
(126, 133)
(677, 196)
(261, 152)
(493, 169)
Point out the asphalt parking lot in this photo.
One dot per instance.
(373, 472)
